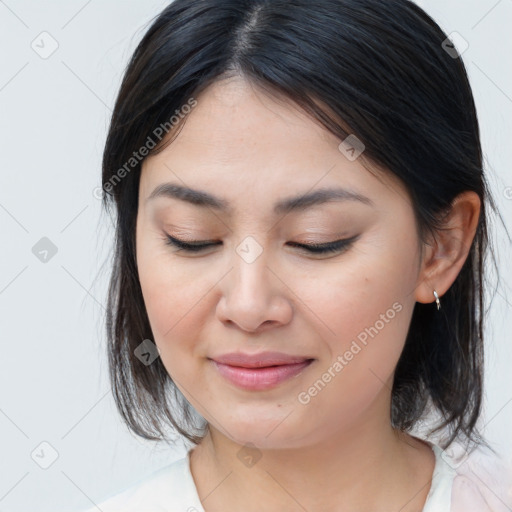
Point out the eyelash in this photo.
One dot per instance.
(197, 245)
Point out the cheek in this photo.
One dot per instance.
(172, 302)
(365, 324)
(172, 295)
(367, 329)
(362, 313)
(365, 295)
(173, 306)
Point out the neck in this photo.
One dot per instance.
(361, 468)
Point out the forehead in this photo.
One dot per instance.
(238, 142)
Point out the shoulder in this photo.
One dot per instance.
(482, 483)
(478, 481)
(170, 488)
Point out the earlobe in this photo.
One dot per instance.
(447, 254)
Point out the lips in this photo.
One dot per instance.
(262, 371)
(260, 360)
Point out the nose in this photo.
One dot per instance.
(254, 297)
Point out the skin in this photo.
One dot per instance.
(251, 150)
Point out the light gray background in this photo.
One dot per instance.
(53, 120)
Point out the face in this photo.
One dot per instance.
(258, 288)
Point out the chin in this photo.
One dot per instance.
(269, 434)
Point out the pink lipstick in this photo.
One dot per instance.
(262, 371)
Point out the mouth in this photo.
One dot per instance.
(260, 375)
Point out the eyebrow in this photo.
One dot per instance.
(283, 206)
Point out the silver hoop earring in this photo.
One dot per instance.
(437, 300)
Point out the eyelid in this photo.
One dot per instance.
(190, 243)
(313, 248)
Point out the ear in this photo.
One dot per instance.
(445, 253)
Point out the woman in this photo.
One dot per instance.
(301, 230)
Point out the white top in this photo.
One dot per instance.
(172, 489)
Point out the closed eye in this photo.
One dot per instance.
(196, 246)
